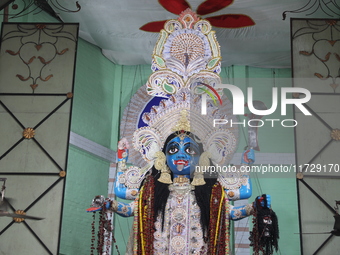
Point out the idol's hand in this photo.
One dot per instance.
(99, 203)
(248, 157)
(123, 150)
(263, 201)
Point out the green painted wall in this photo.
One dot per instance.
(93, 95)
(92, 119)
(128, 79)
(86, 177)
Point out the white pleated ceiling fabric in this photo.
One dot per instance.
(113, 25)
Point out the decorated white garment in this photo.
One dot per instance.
(182, 231)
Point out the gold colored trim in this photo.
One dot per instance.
(114, 205)
(299, 176)
(28, 133)
(18, 220)
(62, 173)
(181, 179)
(160, 165)
(335, 134)
(183, 122)
(165, 178)
(69, 95)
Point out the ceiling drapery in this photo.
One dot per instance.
(114, 26)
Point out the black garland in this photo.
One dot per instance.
(265, 234)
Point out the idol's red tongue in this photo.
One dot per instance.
(180, 167)
(180, 164)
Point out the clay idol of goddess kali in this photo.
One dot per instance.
(176, 174)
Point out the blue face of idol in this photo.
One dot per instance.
(182, 155)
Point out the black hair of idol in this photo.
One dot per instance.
(202, 193)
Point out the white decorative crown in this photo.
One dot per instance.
(185, 57)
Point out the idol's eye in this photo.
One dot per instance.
(172, 150)
(190, 151)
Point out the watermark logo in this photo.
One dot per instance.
(239, 102)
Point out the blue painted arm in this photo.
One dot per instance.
(99, 203)
(243, 192)
(240, 212)
(120, 189)
(246, 190)
(123, 209)
(248, 157)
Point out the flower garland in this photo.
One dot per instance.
(93, 231)
(101, 233)
(146, 218)
(218, 242)
(103, 239)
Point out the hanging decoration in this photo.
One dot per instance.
(265, 234)
(36, 6)
(325, 48)
(207, 7)
(329, 7)
(105, 228)
(36, 55)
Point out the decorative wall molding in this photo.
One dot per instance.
(92, 147)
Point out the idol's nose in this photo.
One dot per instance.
(181, 155)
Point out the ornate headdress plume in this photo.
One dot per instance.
(186, 56)
(183, 123)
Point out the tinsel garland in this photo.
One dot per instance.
(265, 234)
(146, 218)
(218, 239)
(136, 225)
(226, 221)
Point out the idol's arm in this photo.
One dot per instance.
(241, 189)
(243, 192)
(240, 212)
(123, 209)
(248, 158)
(99, 203)
(120, 189)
